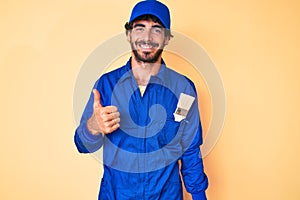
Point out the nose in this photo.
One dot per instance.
(148, 34)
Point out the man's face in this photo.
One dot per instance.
(147, 39)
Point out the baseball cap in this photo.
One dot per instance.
(152, 7)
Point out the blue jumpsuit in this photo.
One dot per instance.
(141, 157)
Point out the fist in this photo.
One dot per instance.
(104, 119)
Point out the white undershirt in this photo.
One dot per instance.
(142, 89)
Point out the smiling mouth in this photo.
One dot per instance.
(146, 45)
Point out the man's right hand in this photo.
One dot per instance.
(104, 119)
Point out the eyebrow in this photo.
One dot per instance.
(157, 26)
(136, 25)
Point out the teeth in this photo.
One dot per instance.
(146, 46)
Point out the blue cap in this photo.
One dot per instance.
(152, 7)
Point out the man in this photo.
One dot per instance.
(146, 117)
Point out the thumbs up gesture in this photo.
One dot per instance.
(104, 119)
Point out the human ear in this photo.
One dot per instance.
(167, 39)
(128, 35)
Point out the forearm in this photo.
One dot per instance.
(194, 177)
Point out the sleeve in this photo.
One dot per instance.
(85, 141)
(194, 177)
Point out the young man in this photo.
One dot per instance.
(138, 114)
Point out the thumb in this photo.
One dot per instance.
(97, 99)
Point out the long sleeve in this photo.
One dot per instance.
(84, 140)
(192, 170)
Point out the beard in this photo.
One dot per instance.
(146, 57)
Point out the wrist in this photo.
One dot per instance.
(92, 125)
(199, 196)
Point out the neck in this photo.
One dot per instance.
(142, 71)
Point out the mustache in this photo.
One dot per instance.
(153, 44)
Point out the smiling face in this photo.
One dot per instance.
(147, 39)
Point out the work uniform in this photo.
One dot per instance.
(141, 157)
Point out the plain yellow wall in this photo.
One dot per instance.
(254, 44)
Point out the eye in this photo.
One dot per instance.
(157, 30)
(139, 29)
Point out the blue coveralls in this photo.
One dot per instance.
(141, 157)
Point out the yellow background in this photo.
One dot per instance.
(254, 44)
